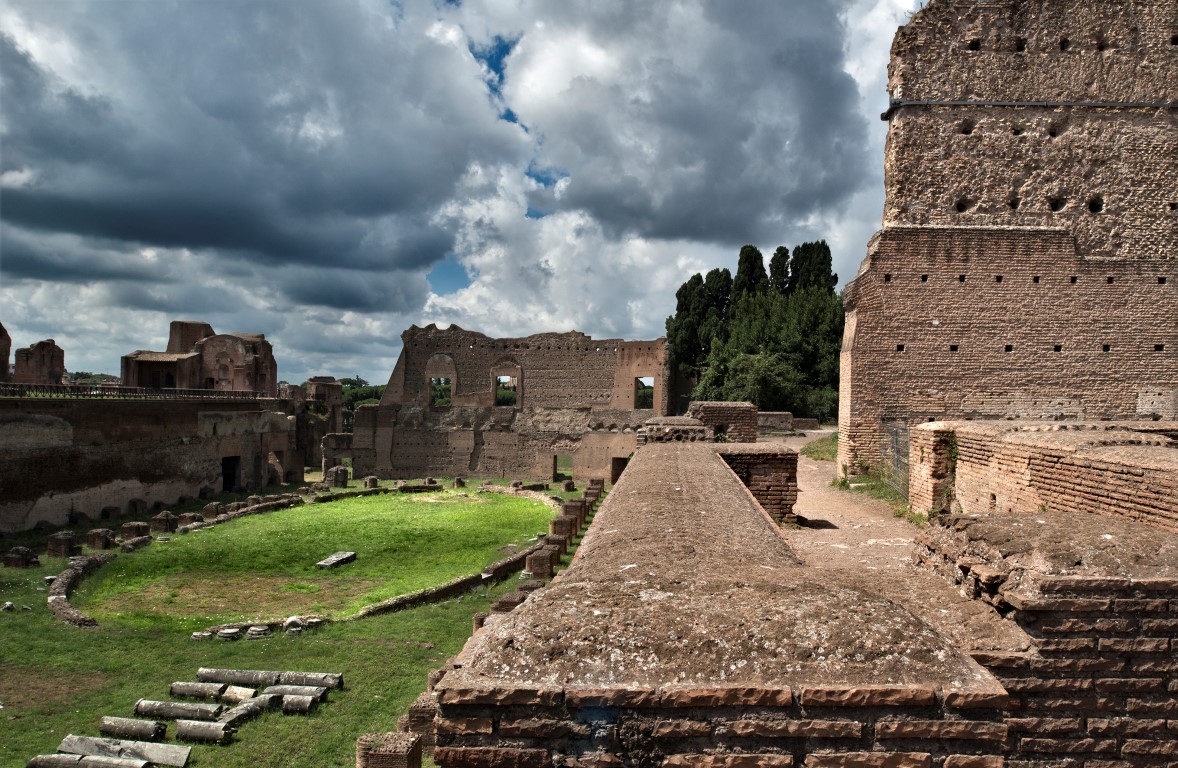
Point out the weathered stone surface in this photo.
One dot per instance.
(999, 195)
(336, 560)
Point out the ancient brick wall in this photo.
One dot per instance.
(986, 323)
(770, 474)
(1096, 596)
(80, 456)
(42, 363)
(1027, 263)
(556, 370)
(1009, 104)
(199, 358)
(1125, 470)
(1100, 685)
(737, 422)
(575, 396)
(5, 350)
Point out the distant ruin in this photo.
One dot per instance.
(198, 357)
(42, 363)
(459, 402)
(5, 350)
(1027, 263)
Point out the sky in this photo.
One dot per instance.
(329, 172)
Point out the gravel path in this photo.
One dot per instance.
(860, 543)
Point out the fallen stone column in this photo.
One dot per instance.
(235, 694)
(85, 761)
(299, 705)
(202, 731)
(212, 691)
(247, 710)
(159, 754)
(255, 677)
(130, 728)
(177, 710)
(323, 679)
(318, 692)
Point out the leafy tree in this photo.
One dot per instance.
(358, 392)
(750, 272)
(779, 270)
(810, 267)
(770, 338)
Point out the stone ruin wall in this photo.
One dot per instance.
(42, 363)
(1128, 470)
(663, 580)
(5, 351)
(985, 153)
(575, 397)
(1033, 331)
(737, 422)
(1005, 161)
(105, 458)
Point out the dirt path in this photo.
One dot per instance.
(859, 541)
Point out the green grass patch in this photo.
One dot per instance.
(55, 679)
(263, 566)
(822, 449)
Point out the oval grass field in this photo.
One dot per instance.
(263, 566)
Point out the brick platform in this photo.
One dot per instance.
(685, 632)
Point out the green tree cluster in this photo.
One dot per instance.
(770, 337)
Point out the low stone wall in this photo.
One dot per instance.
(59, 590)
(678, 555)
(736, 422)
(1122, 469)
(1098, 686)
(775, 421)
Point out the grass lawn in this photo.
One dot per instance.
(822, 449)
(55, 679)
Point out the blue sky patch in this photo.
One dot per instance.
(448, 276)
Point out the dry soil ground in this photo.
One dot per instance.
(860, 543)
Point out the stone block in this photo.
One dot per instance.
(388, 750)
(164, 522)
(134, 530)
(21, 557)
(100, 538)
(61, 544)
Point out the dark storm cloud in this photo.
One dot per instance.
(305, 136)
(752, 127)
(298, 168)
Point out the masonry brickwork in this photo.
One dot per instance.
(1028, 264)
(722, 649)
(65, 457)
(42, 363)
(574, 396)
(736, 422)
(198, 357)
(1127, 470)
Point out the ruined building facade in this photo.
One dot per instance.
(1028, 261)
(42, 363)
(5, 349)
(200, 358)
(459, 402)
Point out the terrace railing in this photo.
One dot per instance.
(99, 392)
